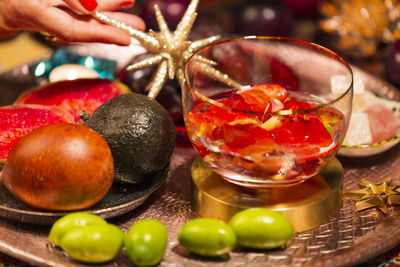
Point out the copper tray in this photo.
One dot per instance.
(348, 239)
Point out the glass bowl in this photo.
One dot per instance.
(262, 111)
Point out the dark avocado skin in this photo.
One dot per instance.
(140, 133)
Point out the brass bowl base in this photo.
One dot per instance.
(307, 205)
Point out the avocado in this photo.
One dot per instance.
(140, 134)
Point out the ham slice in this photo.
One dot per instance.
(383, 123)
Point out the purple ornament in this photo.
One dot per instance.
(172, 11)
(304, 8)
(269, 18)
(392, 63)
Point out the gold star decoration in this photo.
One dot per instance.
(379, 195)
(361, 25)
(170, 50)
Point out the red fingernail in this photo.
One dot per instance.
(126, 4)
(89, 5)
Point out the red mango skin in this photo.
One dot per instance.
(62, 166)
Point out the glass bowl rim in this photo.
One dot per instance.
(287, 40)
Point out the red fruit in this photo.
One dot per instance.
(62, 166)
(271, 90)
(74, 95)
(262, 98)
(242, 135)
(295, 105)
(237, 102)
(307, 129)
(304, 135)
(206, 121)
(18, 121)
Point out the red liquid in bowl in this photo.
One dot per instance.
(261, 136)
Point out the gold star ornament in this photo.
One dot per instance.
(379, 195)
(170, 50)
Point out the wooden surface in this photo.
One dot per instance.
(19, 49)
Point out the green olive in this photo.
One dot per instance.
(146, 241)
(261, 228)
(93, 243)
(69, 221)
(207, 237)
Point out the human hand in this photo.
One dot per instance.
(69, 20)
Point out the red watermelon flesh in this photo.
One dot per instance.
(383, 123)
(74, 95)
(18, 121)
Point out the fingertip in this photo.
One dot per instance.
(113, 35)
(126, 4)
(89, 5)
(141, 25)
(74, 29)
(130, 19)
(125, 41)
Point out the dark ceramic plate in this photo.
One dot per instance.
(120, 199)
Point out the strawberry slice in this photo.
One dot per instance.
(245, 139)
(263, 98)
(237, 102)
(205, 122)
(241, 135)
(303, 129)
(304, 135)
(272, 90)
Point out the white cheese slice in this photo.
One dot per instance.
(358, 132)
